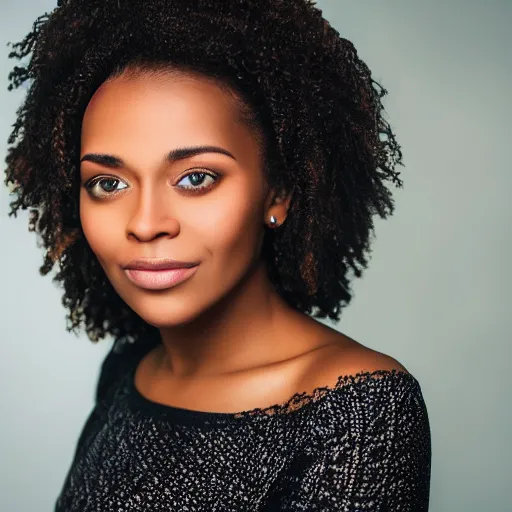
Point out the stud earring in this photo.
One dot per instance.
(273, 221)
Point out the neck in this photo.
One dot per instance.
(246, 329)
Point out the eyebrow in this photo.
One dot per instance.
(172, 156)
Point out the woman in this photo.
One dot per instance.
(205, 175)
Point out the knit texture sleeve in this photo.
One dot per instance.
(112, 368)
(377, 460)
(102, 393)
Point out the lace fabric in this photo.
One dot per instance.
(363, 444)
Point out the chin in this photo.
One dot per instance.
(161, 312)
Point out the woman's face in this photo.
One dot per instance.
(207, 208)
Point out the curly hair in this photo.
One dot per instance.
(302, 86)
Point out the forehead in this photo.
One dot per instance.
(163, 111)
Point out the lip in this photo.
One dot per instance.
(158, 264)
(159, 279)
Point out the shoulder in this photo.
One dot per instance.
(393, 405)
(396, 399)
(344, 356)
(120, 359)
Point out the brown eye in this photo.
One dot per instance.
(103, 186)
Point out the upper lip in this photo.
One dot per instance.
(158, 264)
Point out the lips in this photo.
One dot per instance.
(159, 274)
(159, 279)
(159, 264)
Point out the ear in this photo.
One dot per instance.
(277, 204)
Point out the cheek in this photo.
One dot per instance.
(231, 228)
(233, 243)
(100, 230)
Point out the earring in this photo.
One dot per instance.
(273, 221)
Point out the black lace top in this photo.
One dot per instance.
(359, 446)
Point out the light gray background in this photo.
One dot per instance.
(436, 295)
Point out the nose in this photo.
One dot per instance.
(151, 216)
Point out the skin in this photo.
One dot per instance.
(230, 343)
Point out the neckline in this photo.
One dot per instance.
(298, 402)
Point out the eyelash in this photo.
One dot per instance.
(188, 190)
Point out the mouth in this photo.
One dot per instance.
(159, 279)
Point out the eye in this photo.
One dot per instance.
(101, 187)
(196, 178)
(107, 186)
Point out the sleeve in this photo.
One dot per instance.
(94, 418)
(102, 395)
(117, 361)
(382, 466)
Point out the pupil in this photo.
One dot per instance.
(196, 177)
(112, 181)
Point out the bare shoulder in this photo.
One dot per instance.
(345, 356)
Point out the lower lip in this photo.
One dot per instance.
(159, 279)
